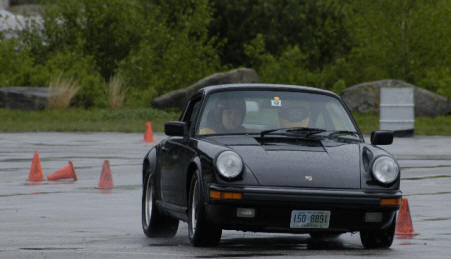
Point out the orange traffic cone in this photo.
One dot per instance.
(36, 169)
(66, 172)
(404, 225)
(106, 178)
(148, 135)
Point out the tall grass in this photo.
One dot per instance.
(116, 92)
(79, 119)
(62, 91)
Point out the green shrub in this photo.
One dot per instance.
(289, 68)
(174, 52)
(82, 69)
(438, 80)
(16, 64)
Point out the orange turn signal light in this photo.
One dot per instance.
(225, 195)
(390, 202)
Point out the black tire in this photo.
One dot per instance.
(154, 223)
(200, 231)
(324, 235)
(382, 238)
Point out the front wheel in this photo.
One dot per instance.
(200, 231)
(382, 238)
(154, 223)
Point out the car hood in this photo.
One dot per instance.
(310, 164)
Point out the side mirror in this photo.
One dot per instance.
(175, 128)
(381, 137)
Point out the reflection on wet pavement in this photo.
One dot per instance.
(70, 219)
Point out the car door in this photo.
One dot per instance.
(176, 156)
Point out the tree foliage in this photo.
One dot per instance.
(161, 45)
(316, 27)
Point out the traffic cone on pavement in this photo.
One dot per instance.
(148, 135)
(66, 172)
(106, 178)
(404, 226)
(36, 169)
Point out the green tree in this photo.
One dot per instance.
(175, 50)
(400, 39)
(104, 30)
(316, 27)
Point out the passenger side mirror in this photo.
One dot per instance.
(175, 128)
(382, 137)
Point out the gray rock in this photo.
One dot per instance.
(365, 97)
(24, 98)
(178, 98)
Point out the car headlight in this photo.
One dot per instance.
(229, 164)
(385, 170)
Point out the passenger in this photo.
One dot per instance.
(294, 113)
(226, 117)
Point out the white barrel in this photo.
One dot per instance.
(397, 109)
(4, 4)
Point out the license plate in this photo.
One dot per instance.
(310, 219)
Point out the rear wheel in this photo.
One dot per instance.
(382, 238)
(154, 223)
(200, 231)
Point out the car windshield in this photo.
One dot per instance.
(239, 112)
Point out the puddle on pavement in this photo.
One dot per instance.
(282, 244)
(403, 237)
(128, 187)
(49, 248)
(421, 158)
(115, 188)
(105, 191)
(436, 219)
(163, 245)
(240, 255)
(424, 194)
(14, 160)
(25, 194)
(424, 166)
(425, 177)
(55, 182)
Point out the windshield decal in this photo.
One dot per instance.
(276, 102)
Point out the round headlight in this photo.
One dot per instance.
(385, 170)
(229, 164)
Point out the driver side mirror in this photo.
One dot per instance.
(382, 137)
(175, 128)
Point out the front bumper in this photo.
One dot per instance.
(273, 207)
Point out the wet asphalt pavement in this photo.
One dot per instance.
(76, 220)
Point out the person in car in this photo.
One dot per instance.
(294, 113)
(226, 117)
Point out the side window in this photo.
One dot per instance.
(190, 119)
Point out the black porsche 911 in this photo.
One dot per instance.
(270, 158)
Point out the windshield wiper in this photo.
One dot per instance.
(294, 129)
(343, 132)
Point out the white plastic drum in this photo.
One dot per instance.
(397, 110)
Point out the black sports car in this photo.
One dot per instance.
(271, 158)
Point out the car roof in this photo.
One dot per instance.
(266, 87)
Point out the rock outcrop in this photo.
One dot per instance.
(24, 98)
(365, 97)
(178, 98)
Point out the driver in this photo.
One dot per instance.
(226, 116)
(294, 113)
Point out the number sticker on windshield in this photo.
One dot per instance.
(276, 102)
